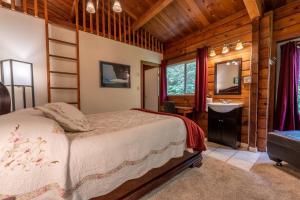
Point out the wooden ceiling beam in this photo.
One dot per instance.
(254, 8)
(152, 12)
(198, 14)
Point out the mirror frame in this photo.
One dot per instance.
(239, 92)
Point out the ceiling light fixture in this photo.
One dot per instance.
(225, 49)
(117, 6)
(90, 7)
(212, 53)
(239, 46)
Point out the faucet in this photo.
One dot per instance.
(225, 101)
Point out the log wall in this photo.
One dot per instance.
(231, 29)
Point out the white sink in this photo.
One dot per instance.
(224, 107)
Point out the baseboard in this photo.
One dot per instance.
(244, 145)
(252, 149)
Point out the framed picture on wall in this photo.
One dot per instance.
(113, 75)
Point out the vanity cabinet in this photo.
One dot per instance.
(225, 128)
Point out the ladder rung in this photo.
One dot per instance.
(63, 42)
(72, 103)
(68, 73)
(63, 57)
(63, 88)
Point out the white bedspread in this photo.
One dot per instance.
(124, 145)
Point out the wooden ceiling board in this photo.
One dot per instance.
(177, 19)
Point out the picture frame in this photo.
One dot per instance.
(114, 75)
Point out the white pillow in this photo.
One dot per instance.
(67, 116)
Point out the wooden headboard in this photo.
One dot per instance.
(5, 103)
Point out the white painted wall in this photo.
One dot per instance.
(22, 37)
(93, 49)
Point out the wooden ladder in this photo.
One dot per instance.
(49, 56)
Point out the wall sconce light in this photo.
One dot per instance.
(17, 74)
(212, 53)
(225, 49)
(117, 6)
(90, 7)
(239, 46)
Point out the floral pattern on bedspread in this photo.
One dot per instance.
(116, 121)
(33, 157)
(24, 153)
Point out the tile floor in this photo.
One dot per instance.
(240, 158)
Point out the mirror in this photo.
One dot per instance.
(228, 77)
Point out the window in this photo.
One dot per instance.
(181, 78)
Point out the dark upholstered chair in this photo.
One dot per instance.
(169, 107)
(5, 102)
(284, 146)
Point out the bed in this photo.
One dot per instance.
(119, 158)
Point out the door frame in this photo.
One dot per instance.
(149, 65)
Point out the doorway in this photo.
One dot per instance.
(150, 86)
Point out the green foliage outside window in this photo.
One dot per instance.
(181, 78)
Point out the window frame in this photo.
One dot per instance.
(185, 76)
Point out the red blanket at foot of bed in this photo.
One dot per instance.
(195, 135)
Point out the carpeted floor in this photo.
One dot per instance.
(218, 180)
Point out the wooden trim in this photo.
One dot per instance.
(272, 76)
(66, 73)
(124, 26)
(120, 28)
(152, 65)
(253, 109)
(47, 49)
(77, 56)
(103, 19)
(13, 4)
(62, 42)
(25, 6)
(109, 19)
(137, 188)
(115, 26)
(91, 23)
(63, 57)
(36, 8)
(129, 30)
(97, 18)
(138, 38)
(84, 15)
(63, 88)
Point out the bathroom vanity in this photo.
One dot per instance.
(225, 123)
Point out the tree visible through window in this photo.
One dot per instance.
(181, 78)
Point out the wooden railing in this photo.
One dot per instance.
(105, 22)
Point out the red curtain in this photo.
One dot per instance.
(201, 79)
(286, 113)
(163, 82)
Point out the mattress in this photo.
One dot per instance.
(123, 145)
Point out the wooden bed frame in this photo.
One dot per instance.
(137, 188)
(133, 189)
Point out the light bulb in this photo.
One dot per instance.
(117, 6)
(212, 53)
(225, 49)
(90, 7)
(239, 46)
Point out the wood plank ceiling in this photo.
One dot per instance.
(167, 20)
